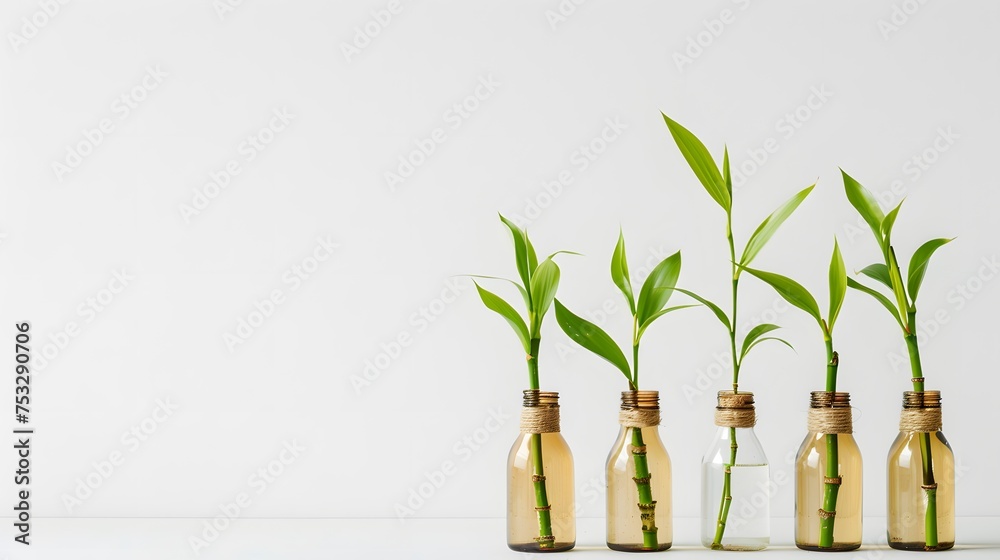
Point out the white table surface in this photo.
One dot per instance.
(138, 539)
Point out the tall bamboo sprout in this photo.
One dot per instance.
(904, 311)
(795, 294)
(649, 306)
(719, 186)
(539, 282)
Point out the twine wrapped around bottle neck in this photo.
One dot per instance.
(540, 412)
(735, 410)
(830, 413)
(640, 409)
(921, 411)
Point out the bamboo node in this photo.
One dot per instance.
(929, 486)
(823, 514)
(538, 478)
(832, 480)
(545, 539)
(638, 449)
(642, 480)
(543, 508)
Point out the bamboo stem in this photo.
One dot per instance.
(545, 537)
(926, 459)
(646, 505)
(727, 494)
(831, 488)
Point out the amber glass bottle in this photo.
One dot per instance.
(921, 462)
(821, 486)
(638, 475)
(540, 494)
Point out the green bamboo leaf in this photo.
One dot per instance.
(701, 162)
(619, 272)
(878, 271)
(770, 225)
(521, 255)
(793, 292)
(532, 257)
(838, 285)
(656, 316)
(726, 175)
(715, 308)
(918, 265)
(896, 284)
(755, 333)
(523, 292)
(866, 205)
(655, 293)
(543, 289)
(498, 304)
(563, 253)
(887, 223)
(759, 340)
(852, 283)
(593, 338)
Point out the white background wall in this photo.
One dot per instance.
(889, 96)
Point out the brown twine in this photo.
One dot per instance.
(920, 420)
(735, 410)
(639, 417)
(738, 418)
(539, 420)
(830, 421)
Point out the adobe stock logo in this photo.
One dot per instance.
(418, 323)
(294, 277)
(697, 44)
(121, 107)
(425, 147)
(365, 34)
(31, 26)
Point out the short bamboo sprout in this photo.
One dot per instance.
(902, 305)
(651, 469)
(830, 421)
(538, 285)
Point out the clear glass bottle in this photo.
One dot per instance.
(909, 485)
(747, 517)
(830, 434)
(638, 477)
(541, 506)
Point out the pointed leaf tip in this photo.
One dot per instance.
(770, 225)
(701, 162)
